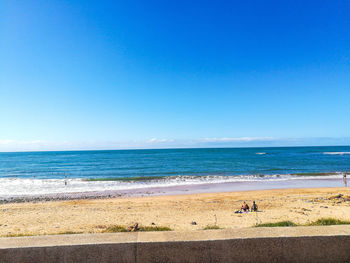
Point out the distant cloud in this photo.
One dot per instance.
(9, 145)
(156, 140)
(6, 141)
(13, 142)
(29, 145)
(238, 139)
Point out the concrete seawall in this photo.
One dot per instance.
(288, 244)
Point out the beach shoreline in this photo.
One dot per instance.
(178, 190)
(178, 212)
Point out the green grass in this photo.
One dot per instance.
(155, 228)
(19, 235)
(117, 228)
(329, 222)
(67, 233)
(111, 229)
(211, 227)
(320, 222)
(281, 223)
(41, 234)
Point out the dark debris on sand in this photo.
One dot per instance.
(60, 197)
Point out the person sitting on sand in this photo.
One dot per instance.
(254, 207)
(245, 207)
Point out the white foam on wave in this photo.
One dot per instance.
(262, 153)
(12, 187)
(336, 153)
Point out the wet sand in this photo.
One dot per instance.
(174, 211)
(179, 190)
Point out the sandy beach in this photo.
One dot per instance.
(174, 211)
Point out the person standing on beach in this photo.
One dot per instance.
(345, 180)
(254, 207)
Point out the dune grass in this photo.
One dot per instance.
(328, 222)
(211, 227)
(155, 228)
(111, 229)
(114, 229)
(67, 233)
(277, 224)
(320, 222)
(117, 228)
(41, 234)
(19, 235)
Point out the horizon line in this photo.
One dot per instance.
(173, 148)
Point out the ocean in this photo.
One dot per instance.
(37, 173)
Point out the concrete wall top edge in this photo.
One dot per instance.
(173, 236)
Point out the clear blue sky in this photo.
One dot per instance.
(120, 74)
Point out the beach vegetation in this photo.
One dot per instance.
(155, 228)
(19, 235)
(211, 227)
(328, 222)
(69, 233)
(115, 228)
(277, 224)
(118, 228)
(41, 234)
(320, 222)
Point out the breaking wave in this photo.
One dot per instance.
(336, 153)
(12, 187)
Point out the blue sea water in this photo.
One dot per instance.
(175, 162)
(43, 172)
